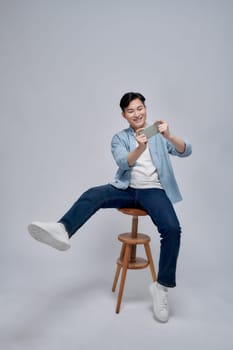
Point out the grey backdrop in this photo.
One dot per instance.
(64, 66)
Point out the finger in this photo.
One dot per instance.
(160, 127)
(142, 139)
(138, 131)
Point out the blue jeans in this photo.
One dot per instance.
(156, 204)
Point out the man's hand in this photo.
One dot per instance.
(163, 128)
(142, 143)
(141, 140)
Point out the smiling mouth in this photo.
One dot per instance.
(138, 119)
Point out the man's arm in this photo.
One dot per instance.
(178, 143)
(122, 156)
(135, 154)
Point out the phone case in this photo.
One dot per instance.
(150, 130)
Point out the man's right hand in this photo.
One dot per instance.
(142, 143)
(141, 140)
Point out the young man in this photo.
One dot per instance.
(144, 179)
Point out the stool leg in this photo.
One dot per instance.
(150, 259)
(134, 233)
(118, 268)
(123, 276)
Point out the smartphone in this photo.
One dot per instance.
(150, 130)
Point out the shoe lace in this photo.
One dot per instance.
(164, 301)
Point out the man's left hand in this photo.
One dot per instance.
(163, 128)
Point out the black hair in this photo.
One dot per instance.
(130, 96)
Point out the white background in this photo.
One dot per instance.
(64, 66)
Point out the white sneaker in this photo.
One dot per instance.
(51, 233)
(159, 295)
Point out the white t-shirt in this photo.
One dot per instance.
(144, 173)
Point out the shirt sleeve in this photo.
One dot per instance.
(171, 149)
(120, 152)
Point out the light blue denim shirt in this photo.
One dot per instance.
(160, 149)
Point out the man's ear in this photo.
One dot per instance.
(123, 114)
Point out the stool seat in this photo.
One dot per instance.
(133, 211)
(128, 258)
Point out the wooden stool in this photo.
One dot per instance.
(128, 258)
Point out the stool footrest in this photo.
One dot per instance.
(139, 263)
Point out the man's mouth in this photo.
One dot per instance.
(138, 119)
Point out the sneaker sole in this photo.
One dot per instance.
(44, 236)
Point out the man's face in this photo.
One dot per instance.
(135, 114)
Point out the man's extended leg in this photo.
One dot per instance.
(106, 196)
(58, 234)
